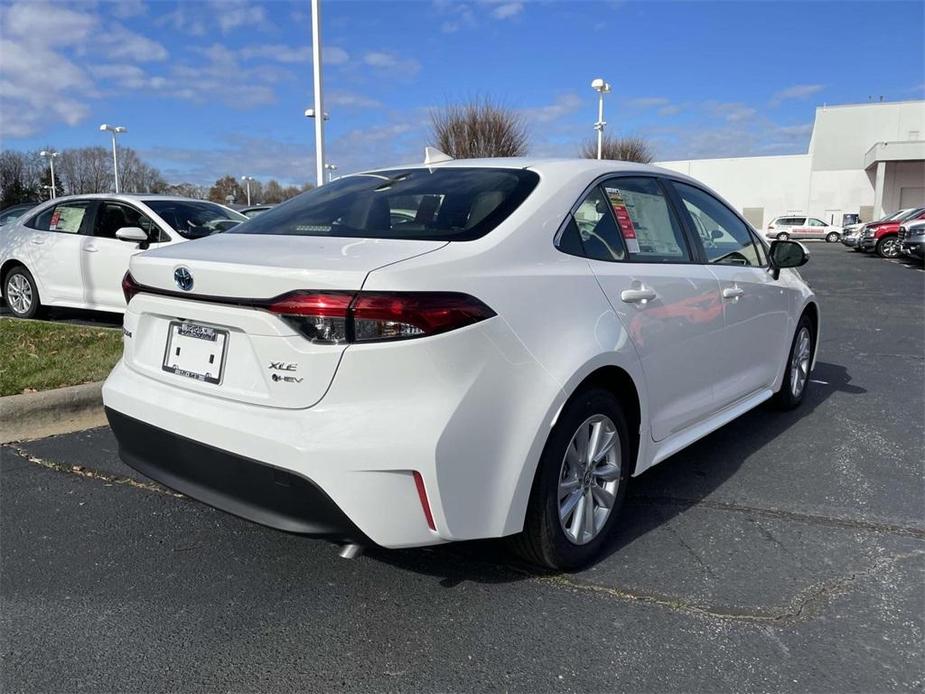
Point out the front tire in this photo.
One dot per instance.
(832, 237)
(888, 247)
(580, 484)
(799, 361)
(21, 293)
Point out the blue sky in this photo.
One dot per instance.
(212, 88)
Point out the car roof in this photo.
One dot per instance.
(127, 197)
(560, 167)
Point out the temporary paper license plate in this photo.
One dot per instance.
(195, 351)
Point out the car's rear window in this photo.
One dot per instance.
(450, 204)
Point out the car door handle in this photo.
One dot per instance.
(732, 292)
(90, 249)
(38, 242)
(634, 296)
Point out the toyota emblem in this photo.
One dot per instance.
(183, 278)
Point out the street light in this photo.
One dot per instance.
(115, 130)
(247, 182)
(319, 103)
(51, 154)
(601, 87)
(310, 113)
(331, 169)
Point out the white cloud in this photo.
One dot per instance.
(564, 105)
(350, 100)
(231, 17)
(648, 102)
(278, 52)
(33, 21)
(507, 10)
(391, 63)
(123, 9)
(797, 91)
(122, 44)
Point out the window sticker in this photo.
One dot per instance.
(54, 221)
(623, 219)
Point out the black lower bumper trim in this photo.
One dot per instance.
(241, 486)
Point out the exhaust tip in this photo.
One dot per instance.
(351, 551)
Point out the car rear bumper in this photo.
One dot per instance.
(258, 492)
(467, 411)
(867, 243)
(850, 241)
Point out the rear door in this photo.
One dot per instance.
(105, 258)
(54, 250)
(754, 304)
(669, 305)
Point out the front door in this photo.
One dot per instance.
(755, 305)
(105, 258)
(669, 305)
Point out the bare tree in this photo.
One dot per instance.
(227, 187)
(22, 175)
(188, 190)
(479, 128)
(631, 148)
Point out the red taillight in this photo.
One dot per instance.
(422, 495)
(129, 286)
(338, 317)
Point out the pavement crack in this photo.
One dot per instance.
(802, 605)
(779, 514)
(89, 473)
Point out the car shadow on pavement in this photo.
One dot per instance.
(654, 498)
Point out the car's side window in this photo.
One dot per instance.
(66, 217)
(648, 227)
(596, 228)
(111, 216)
(815, 223)
(726, 239)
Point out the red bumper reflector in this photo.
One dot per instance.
(422, 495)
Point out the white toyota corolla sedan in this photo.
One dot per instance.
(497, 360)
(73, 251)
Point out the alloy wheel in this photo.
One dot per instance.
(783, 236)
(589, 479)
(799, 362)
(832, 237)
(890, 248)
(19, 294)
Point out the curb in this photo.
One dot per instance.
(49, 412)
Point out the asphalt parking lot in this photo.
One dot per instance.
(784, 552)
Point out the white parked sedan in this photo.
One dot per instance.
(73, 251)
(499, 363)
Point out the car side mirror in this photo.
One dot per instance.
(787, 254)
(133, 235)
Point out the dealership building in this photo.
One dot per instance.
(866, 159)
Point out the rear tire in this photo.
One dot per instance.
(799, 362)
(559, 536)
(21, 293)
(783, 236)
(832, 237)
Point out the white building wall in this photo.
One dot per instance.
(830, 179)
(777, 184)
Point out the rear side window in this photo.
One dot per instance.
(66, 217)
(449, 204)
(650, 231)
(726, 239)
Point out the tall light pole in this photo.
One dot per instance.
(51, 154)
(247, 182)
(601, 87)
(115, 130)
(319, 102)
(331, 169)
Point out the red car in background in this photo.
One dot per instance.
(883, 236)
